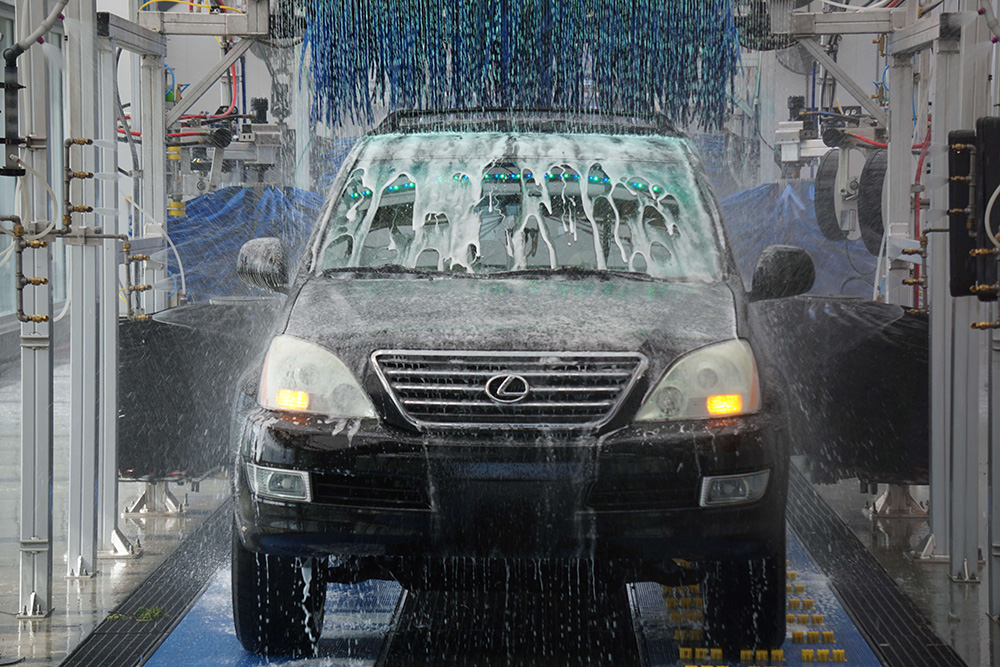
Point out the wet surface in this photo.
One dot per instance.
(576, 620)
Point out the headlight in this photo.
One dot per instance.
(303, 377)
(279, 483)
(718, 380)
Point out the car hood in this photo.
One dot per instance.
(356, 316)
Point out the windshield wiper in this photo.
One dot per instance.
(389, 270)
(576, 272)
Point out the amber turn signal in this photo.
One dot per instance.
(728, 404)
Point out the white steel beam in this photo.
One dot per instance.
(255, 23)
(923, 33)
(111, 541)
(848, 23)
(964, 497)
(35, 531)
(946, 118)
(899, 216)
(82, 83)
(154, 164)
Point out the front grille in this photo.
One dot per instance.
(564, 390)
(372, 491)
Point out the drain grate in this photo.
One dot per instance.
(173, 587)
(894, 627)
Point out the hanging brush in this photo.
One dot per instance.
(675, 57)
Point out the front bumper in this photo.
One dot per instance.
(629, 495)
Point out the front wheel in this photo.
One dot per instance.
(745, 602)
(277, 601)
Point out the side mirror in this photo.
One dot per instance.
(782, 271)
(264, 263)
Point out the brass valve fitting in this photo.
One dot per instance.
(38, 318)
(984, 289)
(82, 209)
(986, 325)
(139, 258)
(914, 281)
(913, 251)
(962, 147)
(126, 246)
(983, 252)
(36, 244)
(141, 288)
(143, 318)
(81, 175)
(957, 211)
(18, 230)
(36, 281)
(82, 141)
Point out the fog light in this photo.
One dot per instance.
(279, 483)
(731, 489)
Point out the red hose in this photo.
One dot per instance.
(879, 144)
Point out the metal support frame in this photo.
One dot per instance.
(35, 531)
(194, 93)
(112, 543)
(994, 468)
(154, 167)
(81, 560)
(812, 45)
(847, 23)
(946, 117)
(255, 23)
(156, 500)
(899, 216)
(965, 351)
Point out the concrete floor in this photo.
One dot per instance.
(78, 604)
(958, 612)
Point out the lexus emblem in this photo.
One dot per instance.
(507, 388)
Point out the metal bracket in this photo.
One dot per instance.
(195, 92)
(255, 23)
(34, 610)
(122, 549)
(921, 35)
(895, 245)
(807, 24)
(155, 500)
(812, 45)
(35, 342)
(131, 36)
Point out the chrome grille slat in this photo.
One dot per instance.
(490, 373)
(447, 389)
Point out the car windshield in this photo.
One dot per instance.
(484, 203)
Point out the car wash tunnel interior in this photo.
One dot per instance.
(500, 332)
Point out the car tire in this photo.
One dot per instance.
(278, 601)
(745, 603)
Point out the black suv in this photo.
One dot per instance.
(513, 336)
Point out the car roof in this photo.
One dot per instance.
(584, 121)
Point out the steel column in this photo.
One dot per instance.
(81, 557)
(993, 567)
(899, 217)
(111, 541)
(946, 117)
(154, 167)
(964, 553)
(35, 531)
